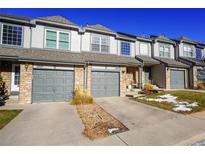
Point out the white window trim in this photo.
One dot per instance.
(121, 48)
(57, 39)
(165, 46)
(147, 48)
(192, 50)
(100, 36)
(22, 36)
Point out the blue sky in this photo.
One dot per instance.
(170, 22)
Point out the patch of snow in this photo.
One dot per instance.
(179, 106)
(182, 108)
(113, 130)
(194, 104)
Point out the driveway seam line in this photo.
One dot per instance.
(122, 140)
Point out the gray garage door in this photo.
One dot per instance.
(177, 79)
(105, 84)
(52, 85)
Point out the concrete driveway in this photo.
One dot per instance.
(59, 124)
(43, 124)
(152, 126)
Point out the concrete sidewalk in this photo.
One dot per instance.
(152, 126)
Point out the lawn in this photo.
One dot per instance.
(6, 116)
(182, 96)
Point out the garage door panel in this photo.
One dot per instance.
(52, 85)
(177, 79)
(105, 84)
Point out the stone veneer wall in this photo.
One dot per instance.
(6, 71)
(194, 77)
(88, 74)
(79, 76)
(131, 75)
(168, 73)
(25, 87)
(123, 81)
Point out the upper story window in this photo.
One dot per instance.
(199, 54)
(144, 48)
(188, 51)
(125, 48)
(57, 40)
(164, 50)
(100, 43)
(12, 35)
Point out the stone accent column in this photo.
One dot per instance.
(5, 71)
(195, 77)
(140, 76)
(168, 78)
(25, 87)
(79, 76)
(88, 78)
(137, 75)
(122, 81)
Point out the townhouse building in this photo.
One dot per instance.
(44, 59)
(192, 53)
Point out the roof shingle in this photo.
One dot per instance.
(172, 62)
(57, 19)
(64, 57)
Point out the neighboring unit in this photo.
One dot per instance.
(192, 54)
(171, 73)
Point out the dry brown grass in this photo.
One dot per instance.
(97, 121)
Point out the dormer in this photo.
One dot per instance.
(98, 38)
(56, 33)
(186, 47)
(15, 31)
(163, 47)
(125, 44)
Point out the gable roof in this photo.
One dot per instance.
(186, 40)
(172, 62)
(58, 19)
(15, 17)
(99, 27)
(162, 38)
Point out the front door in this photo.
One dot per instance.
(15, 78)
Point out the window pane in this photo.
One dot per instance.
(104, 48)
(51, 38)
(95, 43)
(161, 48)
(63, 36)
(51, 35)
(164, 51)
(125, 48)
(104, 41)
(144, 49)
(95, 40)
(63, 45)
(95, 47)
(12, 35)
(50, 44)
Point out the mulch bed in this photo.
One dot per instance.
(97, 121)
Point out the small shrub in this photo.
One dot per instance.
(80, 98)
(3, 92)
(201, 86)
(148, 87)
